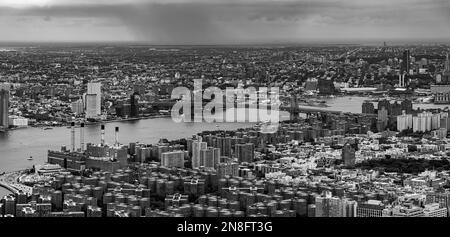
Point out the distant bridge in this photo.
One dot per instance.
(308, 109)
(293, 108)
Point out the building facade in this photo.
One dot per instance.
(4, 106)
(93, 100)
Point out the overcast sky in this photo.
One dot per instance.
(226, 21)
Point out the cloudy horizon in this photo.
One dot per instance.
(222, 22)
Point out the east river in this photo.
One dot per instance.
(17, 145)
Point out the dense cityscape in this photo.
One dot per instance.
(389, 158)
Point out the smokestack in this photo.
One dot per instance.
(103, 135)
(72, 137)
(117, 136)
(82, 137)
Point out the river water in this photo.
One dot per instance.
(17, 145)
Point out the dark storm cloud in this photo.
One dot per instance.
(254, 21)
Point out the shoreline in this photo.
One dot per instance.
(94, 123)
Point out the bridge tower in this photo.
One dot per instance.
(294, 110)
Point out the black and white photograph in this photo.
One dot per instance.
(230, 110)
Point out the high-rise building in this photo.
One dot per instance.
(4, 106)
(93, 100)
(10, 205)
(348, 155)
(426, 121)
(406, 61)
(210, 157)
(134, 102)
(382, 119)
(197, 146)
(349, 208)
(245, 152)
(173, 159)
(328, 206)
(396, 109)
(445, 78)
(404, 121)
(224, 143)
(447, 63)
(368, 108)
(407, 106)
(445, 123)
(77, 107)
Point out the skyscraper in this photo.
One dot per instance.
(4, 106)
(93, 100)
(134, 102)
(383, 119)
(406, 61)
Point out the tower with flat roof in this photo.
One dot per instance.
(4, 106)
(93, 100)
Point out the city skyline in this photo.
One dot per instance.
(224, 108)
(224, 22)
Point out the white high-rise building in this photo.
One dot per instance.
(427, 121)
(197, 146)
(93, 100)
(404, 122)
(423, 122)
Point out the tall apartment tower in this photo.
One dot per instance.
(93, 100)
(134, 102)
(406, 61)
(446, 74)
(4, 106)
(197, 146)
(447, 63)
